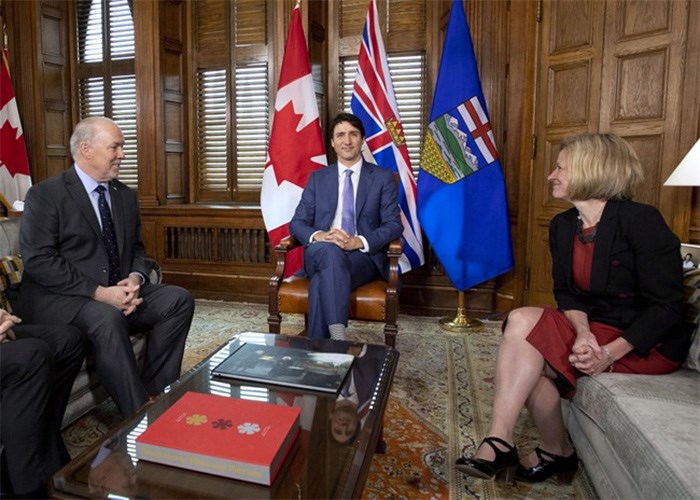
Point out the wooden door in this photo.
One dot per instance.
(609, 66)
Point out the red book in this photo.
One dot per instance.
(229, 437)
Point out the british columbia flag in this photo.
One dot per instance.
(374, 103)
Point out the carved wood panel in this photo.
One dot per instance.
(568, 93)
(606, 66)
(55, 88)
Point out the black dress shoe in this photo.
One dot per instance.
(549, 465)
(503, 467)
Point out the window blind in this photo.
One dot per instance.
(408, 76)
(106, 79)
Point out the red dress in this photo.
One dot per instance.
(554, 335)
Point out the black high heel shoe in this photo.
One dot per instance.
(503, 467)
(547, 466)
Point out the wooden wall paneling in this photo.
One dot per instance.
(55, 59)
(54, 68)
(619, 66)
(216, 253)
(334, 53)
(40, 65)
(642, 88)
(569, 52)
(691, 115)
(22, 24)
(317, 36)
(174, 110)
(523, 29)
(687, 223)
(149, 104)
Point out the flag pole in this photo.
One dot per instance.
(461, 323)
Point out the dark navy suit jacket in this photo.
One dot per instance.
(377, 213)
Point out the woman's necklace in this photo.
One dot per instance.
(587, 237)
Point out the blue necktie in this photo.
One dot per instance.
(348, 215)
(109, 236)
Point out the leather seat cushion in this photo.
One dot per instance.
(367, 302)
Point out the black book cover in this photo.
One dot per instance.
(285, 366)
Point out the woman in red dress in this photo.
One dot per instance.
(618, 285)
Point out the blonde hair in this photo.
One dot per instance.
(601, 167)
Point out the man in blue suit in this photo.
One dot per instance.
(345, 242)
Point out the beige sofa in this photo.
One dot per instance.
(639, 435)
(87, 391)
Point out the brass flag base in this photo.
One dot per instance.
(461, 323)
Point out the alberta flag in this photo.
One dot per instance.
(374, 103)
(15, 180)
(296, 144)
(461, 192)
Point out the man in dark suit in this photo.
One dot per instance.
(38, 364)
(347, 216)
(85, 266)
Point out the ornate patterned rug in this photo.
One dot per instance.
(439, 408)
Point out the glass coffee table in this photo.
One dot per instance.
(329, 459)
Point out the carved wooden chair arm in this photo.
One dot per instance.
(394, 253)
(283, 247)
(287, 243)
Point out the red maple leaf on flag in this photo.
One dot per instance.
(11, 144)
(291, 152)
(295, 148)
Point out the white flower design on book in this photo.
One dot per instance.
(248, 428)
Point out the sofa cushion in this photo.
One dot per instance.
(651, 423)
(10, 277)
(9, 235)
(691, 283)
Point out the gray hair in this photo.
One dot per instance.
(86, 130)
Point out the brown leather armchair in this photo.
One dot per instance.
(374, 301)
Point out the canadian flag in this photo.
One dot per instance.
(15, 180)
(296, 144)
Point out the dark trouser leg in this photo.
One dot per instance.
(333, 274)
(167, 310)
(108, 330)
(25, 375)
(67, 344)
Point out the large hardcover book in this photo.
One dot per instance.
(286, 366)
(229, 437)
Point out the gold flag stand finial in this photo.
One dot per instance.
(461, 323)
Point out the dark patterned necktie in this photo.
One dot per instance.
(109, 236)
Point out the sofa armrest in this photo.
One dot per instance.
(155, 273)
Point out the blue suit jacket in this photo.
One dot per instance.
(377, 214)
